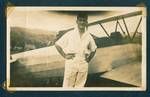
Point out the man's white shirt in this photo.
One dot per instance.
(72, 42)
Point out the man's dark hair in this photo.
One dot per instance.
(82, 15)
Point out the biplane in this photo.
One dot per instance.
(118, 59)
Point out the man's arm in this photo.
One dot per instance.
(59, 49)
(88, 59)
(66, 56)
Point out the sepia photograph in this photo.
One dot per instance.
(76, 48)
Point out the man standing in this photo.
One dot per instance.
(78, 48)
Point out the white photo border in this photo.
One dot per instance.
(144, 67)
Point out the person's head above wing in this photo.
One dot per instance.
(82, 21)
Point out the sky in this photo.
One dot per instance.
(54, 21)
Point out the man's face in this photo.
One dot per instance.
(82, 23)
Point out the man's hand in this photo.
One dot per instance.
(88, 58)
(69, 56)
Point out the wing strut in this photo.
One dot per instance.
(126, 28)
(104, 29)
(118, 23)
(136, 29)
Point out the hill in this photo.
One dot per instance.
(23, 39)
